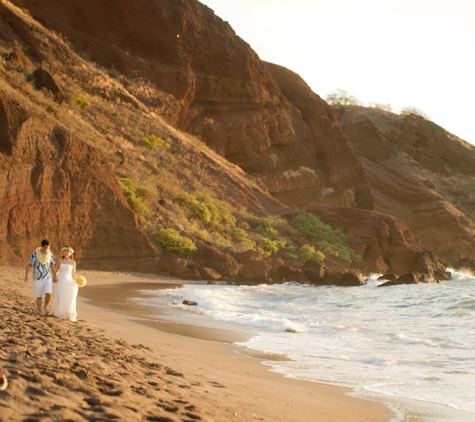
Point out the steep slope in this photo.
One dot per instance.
(55, 185)
(261, 117)
(61, 158)
(419, 173)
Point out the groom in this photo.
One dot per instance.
(41, 260)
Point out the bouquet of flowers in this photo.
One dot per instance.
(81, 281)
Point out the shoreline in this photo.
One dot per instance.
(402, 409)
(255, 391)
(206, 376)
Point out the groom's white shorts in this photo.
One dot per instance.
(45, 285)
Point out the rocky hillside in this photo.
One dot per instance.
(150, 126)
(419, 173)
(69, 133)
(212, 84)
(55, 185)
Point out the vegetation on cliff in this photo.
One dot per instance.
(333, 243)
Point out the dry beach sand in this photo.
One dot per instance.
(106, 367)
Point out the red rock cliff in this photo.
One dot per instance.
(419, 173)
(259, 116)
(54, 185)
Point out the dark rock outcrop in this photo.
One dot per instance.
(257, 271)
(282, 272)
(315, 271)
(44, 79)
(411, 278)
(298, 276)
(465, 264)
(170, 262)
(187, 273)
(428, 263)
(388, 277)
(351, 278)
(209, 274)
(211, 257)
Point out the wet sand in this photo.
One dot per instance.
(108, 367)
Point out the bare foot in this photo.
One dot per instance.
(4, 385)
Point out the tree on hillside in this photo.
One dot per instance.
(341, 97)
(406, 111)
(384, 107)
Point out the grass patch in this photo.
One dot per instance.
(138, 198)
(330, 242)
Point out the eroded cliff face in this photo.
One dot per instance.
(419, 173)
(210, 83)
(54, 185)
(61, 163)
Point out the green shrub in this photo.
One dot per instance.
(192, 204)
(307, 252)
(172, 241)
(262, 232)
(331, 242)
(220, 212)
(268, 227)
(291, 252)
(206, 209)
(154, 141)
(219, 240)
(241, 239)
(81, 101)
(267, 247)
(245, 226)
(135, 197)
(202, 212)
(239, 235)
(185, 200)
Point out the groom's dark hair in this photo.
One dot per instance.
(45, 242)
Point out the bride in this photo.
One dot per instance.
(66, 291)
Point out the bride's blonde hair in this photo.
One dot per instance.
(70, 250)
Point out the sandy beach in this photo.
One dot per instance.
(108, 367)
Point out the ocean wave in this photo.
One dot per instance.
(403, 338)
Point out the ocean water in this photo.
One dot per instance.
(412, 341)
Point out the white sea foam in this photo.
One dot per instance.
(413, 341)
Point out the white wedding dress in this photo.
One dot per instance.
(65, 294)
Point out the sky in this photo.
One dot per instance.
(418, 53)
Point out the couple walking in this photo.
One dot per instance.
(45, 272)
